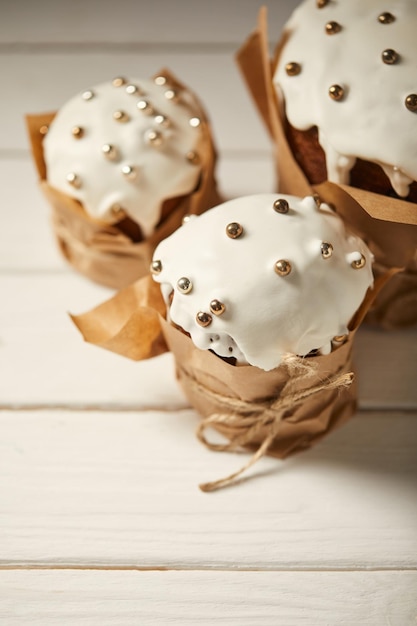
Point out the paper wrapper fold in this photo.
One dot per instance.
(104, 252)
(388, 225)
(279, 412)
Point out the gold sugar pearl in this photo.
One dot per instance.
(145, 107)
(195, 122)
(184, 285)
(321, 3)
(129, 172)
(326, 250)
(73, 180)
(119, 81)
(109, 151)
(117, 211)
(234, 230)
(88, 95)
(121, 116)
(281, 206)
(217, 307)
(283, 267)
(160, 80)
(336, 92)
(77, 132)
(358, 263)
(132, 90)
(171, 94)
(43, 129)
(203, 319)
(340, 338)
(161, 120)
(332, 28)
(192, 157)
(293, 68)
(411, 102)
(154, 138)
(156, 267)
(390, 57)
(386, 18)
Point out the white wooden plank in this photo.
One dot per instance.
(108, 598)
(44, 82)
(119, 490)
(26, 240)
(44, 360)
(130, 21)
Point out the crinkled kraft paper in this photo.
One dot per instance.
(132, 323)
(388, 225)
(102, 251)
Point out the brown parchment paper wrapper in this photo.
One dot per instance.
(104, 252)
(278, 413)
(388, 225)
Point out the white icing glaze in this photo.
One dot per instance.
(371, 122)
(159, 171)
(266, 315)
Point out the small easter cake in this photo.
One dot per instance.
(260, 277)
(133, 155)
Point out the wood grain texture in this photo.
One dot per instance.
(125, 598)
(144, 23)
(120, 489)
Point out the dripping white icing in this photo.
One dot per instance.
(154, 147)
(266, 315)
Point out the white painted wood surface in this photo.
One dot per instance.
(101, 518)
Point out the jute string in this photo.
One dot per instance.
(248, 418)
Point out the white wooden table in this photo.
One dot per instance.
(101, 519)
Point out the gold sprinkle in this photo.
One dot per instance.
(340, 338)
(88, 95)
(184, 285)
(217, 307)
(332, 28)
(171, 94)
(283, 267)
(77, 132)
(336, 92)
(132, 90)
(156, 267)
(321, 3)
(326, 250)
(74, 180)
(121, 116)
(203, 319)
(293, 68)
(129, 172)
(194, 122)
(358, 263)
(281, 205)
(119, 81)
(145, 107)
(411, 102)
(109, 151)
(234, 230)
(153, 138)
(161, 120)
(193, 157)
(386, 18)
(117, 211)
(44, 129)
(390, 57)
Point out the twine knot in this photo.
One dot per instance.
(249, 418)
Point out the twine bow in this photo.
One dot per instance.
(248, 419)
